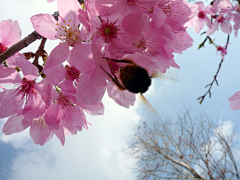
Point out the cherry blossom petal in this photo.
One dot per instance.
(40, 133)
(13, 78)
(106, 7)
(60, 134)
(199, 25)
(123, 98)
(81, 57)
(208, 22)
(45, 89)
(181, 42)
(15, 124)
(158, 17)
(10, 32)
(35, 107)
(95, 108)
(74, 121)
(201, 6)
(212, 30)
(45, 25)
(68, 9)
(88, 92)
(5, 72)
(51, 116)
(134, 28)
(226, 27)
(235, 101)
(58, 55)
(55, 74)
(82, 16)
(9, 104)
(67, 87)
(27, 67)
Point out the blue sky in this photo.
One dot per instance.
(100, 152)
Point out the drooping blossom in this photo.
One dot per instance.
(222, 50)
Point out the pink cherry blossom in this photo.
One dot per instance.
(177, 13)
(39, 131)
(64, 111)
(224, 23)
(27, 90)
(222, 5)
(222, 50)
(235, 101)
(67, 31)
(202, 17)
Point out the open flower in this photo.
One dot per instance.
(39, 131)
(29, 95)
(66, 29)
(224, 23)
(202, 17)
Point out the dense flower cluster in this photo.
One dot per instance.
(96, 44)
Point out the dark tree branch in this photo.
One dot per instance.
(19, 46)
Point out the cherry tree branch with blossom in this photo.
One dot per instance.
(215, 76)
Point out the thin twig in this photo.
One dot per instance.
(214, 78)
(39, 51)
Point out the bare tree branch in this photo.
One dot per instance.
(188, 149)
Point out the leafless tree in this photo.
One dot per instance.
(189, 148)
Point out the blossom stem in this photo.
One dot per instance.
(39, 51)
(201, 98)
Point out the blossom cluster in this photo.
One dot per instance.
(96, 41)
(219, 13)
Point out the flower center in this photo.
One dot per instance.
(25, 88)
(40, 125)
(2, 48)
(108, 30)
(65, 102)
(220, 19)
(68, 32)
(169, 8)
(142, 44)
(114, 67)
(201, 15)
(73, 74)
